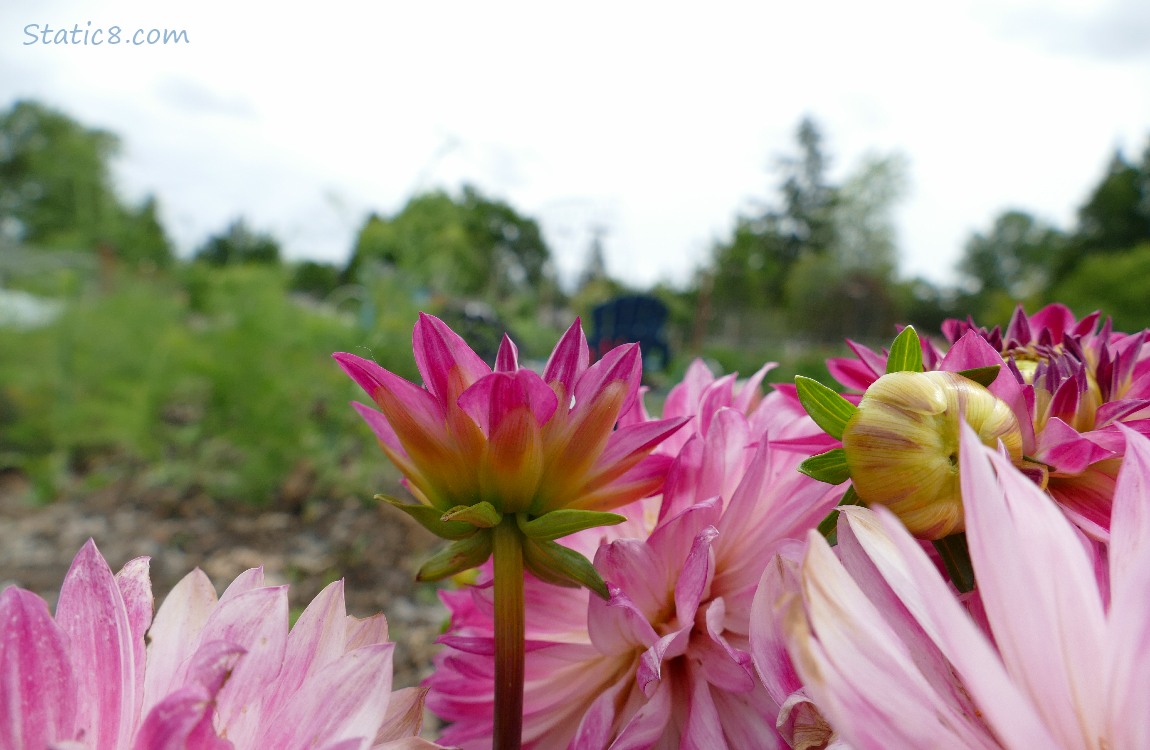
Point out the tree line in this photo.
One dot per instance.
(816, 260)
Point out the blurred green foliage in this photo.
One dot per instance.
(212, 379)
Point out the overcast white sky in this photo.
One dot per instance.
(660, 124)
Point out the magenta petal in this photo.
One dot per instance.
(623, 363)
(92, 613)
(1062, 447)
(872, 359)
(498, 394)
(569, 360)
(38, 697)
(851, 373)
(380, 426)
(507, 359)
(972, 351)
(636, 438)
(717, 396)
(749, 392)
(367, 374)
(182, 721)
(441, 355)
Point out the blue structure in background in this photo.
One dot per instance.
(634, 317)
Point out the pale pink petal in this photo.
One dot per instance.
(858, 671)
(136, 590)
(1049, 629)
(778, 587)
(174, 635)
(704, 725)
(257, 621)
(250, 580)
(720, 664)
(356, 689)
(1128, 663)
(927, 599)
(650, 672)
(749, 394)
(695, 576)
(648, 723)
(91, 612)
(404, 715)
(366, 631)
(38, 696)
(318, 638)
(617, 625)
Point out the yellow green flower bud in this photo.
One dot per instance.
(902, 445)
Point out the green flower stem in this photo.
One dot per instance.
(507, 548)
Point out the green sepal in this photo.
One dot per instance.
(560, 523)
(481, 515)
(905, 352)
(829, 410)
(828, 527)
(457, 557)
(830, 467)
(554, 563)
(984, 376)
(956, 557)
(431, 519)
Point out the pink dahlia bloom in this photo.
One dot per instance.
(1070, 384)
(204, 674)
(890, 656)
(665, 662)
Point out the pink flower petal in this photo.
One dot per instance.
(92, 613)
(257, 621)
(568, 361)
(445, 361)
(618, 626)
(356, 690)
(1049, 630)
(174, 635)
(38, 696)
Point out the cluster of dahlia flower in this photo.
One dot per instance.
(954, 553)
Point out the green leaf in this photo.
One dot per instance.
(829, 410)
(830, 467)
(431, 519)
(554, 563)
(984, 376)
(828, 526)
(559, 523)
(482, 515)
(457, 557)
(905, 353)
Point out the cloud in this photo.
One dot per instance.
(1116, 31)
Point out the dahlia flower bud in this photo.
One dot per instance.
(902, 445)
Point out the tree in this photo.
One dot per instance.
(1019, 257)
(56, 189)
(1116, 217)
(467, 246)
(862, 236)
(238, 245)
